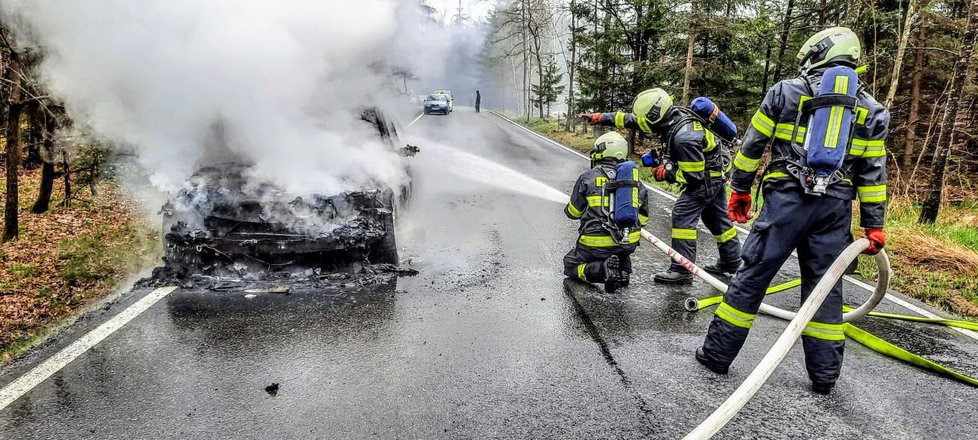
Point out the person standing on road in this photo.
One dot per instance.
(478, 101)
(797, 213)
(598, 256)
(694, 159)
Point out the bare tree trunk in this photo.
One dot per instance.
(43, 202)
(918, 71)
(526, 89)
(947, 136)
(767, 69)
(691, 45)
(66, 167)
(571, 66)
(11, 225)
(540, 72)
(35, 136)
(901, 49)
(785, 29)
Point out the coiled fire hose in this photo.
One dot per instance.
(692, 304)
(792, 332)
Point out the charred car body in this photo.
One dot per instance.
(222, 224)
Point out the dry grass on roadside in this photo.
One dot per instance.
(66, 259)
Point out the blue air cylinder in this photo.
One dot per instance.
(718, 121)
(626, 196)
(828, 130)
(650, 159)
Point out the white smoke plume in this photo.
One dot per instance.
(276, 83)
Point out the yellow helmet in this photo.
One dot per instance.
(832, 44)
(610, 144)
(653, 104)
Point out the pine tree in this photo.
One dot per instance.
(549, 90)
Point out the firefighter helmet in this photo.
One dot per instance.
(653, 104)
(837, 44)
(610, 144)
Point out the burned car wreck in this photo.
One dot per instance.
(222, 224)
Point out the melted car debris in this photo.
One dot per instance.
(227, 230)
(281, 282)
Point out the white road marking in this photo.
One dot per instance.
(903, 303)
(53, 364)
(415, 120)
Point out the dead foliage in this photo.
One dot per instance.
(67, 258)
(931, 253)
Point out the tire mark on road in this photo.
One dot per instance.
(643, 405)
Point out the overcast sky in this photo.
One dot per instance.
(476, 9)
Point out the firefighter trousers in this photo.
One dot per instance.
(819, 228)
(587, 263)
(710, 205)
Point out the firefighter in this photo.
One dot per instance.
(693, 158)
(599, 256)
(796, 215)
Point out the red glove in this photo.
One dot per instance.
(739, 207)
(877, 239)
(592, 118)
(659, 173)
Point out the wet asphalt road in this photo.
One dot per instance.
(488, 341)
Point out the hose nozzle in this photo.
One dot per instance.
(691, 304)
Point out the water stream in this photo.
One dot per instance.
(473, 168)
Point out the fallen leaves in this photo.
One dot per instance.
(68, 257)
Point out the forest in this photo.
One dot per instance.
(596, 55)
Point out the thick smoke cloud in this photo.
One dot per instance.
(187, 82)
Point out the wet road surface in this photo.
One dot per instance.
(488, 341)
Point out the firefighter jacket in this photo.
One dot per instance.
(590, 206)
(864, 169)
(694, 150)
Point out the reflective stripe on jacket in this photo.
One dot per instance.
(586, 203)
(774, 124)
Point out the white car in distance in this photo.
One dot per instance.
(448, 93)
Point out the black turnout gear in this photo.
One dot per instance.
(595, 242)
(696, 159)
(774, 124)
(818, 227)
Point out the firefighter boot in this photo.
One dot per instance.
(612, 274)
(670, 277)
(822, 387)
(708, 363)
(722, 270)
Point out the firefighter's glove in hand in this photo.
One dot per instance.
(659, 173)
(877, 239)
(592, 118)
(664, 173)
(739, 207)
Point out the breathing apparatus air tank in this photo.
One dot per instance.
(830, 125)
(626, 203)
(716, 120)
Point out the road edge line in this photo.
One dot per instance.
(32, 378)
(899, 301)
(415, 120)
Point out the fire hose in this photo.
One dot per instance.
(857, 334)
(797, 324)
(692, 304)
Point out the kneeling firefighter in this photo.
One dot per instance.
(827, 147)
(694, 157)
(612, 206)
